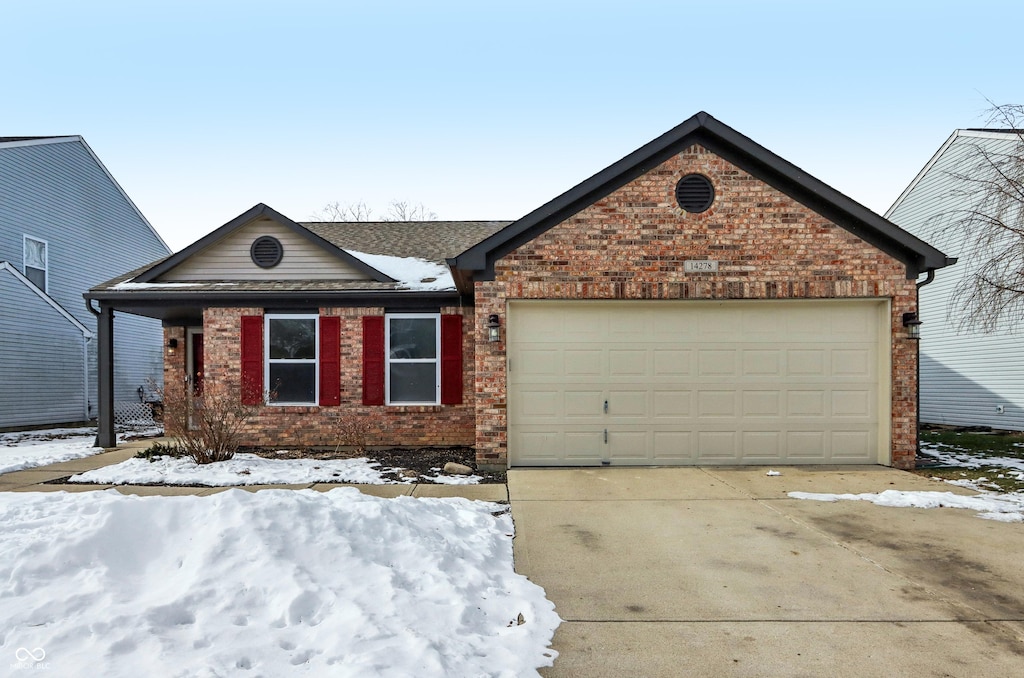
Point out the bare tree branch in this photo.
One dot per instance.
(990, 224)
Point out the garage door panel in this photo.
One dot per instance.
(716, 404)
(762, 403)
(717, 446)
(762, 446)
(627, 363)
(672, 404)
(698, 382)
(583, 363)
(628, 403)
(716, 362)
(670, 363)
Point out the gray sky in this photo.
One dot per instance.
(484, 110)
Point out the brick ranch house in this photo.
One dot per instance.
(700, 301)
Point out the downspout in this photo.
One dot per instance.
(917, 370)
(85, 374)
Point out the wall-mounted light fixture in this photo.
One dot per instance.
(172, 346)
(913, 325)
(493, 328)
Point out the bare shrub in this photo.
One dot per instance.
(208, 426)
(352, 433)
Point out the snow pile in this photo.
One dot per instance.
(411, 273)
(250, 469)
(1007, 508)
(266, 584)
(30, 449)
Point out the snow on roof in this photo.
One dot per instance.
(411, 273)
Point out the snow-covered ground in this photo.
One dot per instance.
(250, 469)
(1002, 506)
(272, 583)
(29, 449)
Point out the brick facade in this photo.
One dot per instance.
(632, 245)
(317, 426)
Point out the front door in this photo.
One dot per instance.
(196, 363)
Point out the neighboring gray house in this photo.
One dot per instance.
(65, 225)
(968, 377)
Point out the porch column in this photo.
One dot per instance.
(105, 434)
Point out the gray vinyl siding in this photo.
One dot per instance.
(46, 383)
(58, 192)
(965, 375)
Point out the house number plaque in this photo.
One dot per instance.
(700, 266)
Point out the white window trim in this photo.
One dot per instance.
(304, 361)
(436, 359)
(46, 255)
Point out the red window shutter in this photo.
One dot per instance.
(252, 359)
(373, 360)
(451, 360)
(330, 360)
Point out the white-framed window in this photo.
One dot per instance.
(291, 358)
(35, 261)
(413, 358)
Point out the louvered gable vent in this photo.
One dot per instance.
(694, 193)
(266, 252)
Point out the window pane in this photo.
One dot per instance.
(293, 338)
(413, 338)
(35, 253)
(413, 382)
(292, 383)
(37, 277)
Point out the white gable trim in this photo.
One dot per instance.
(976, 134)
(6, 266)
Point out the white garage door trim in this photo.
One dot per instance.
(699, 382)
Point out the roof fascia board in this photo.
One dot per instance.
(252, 214)
(6, 266)
(154, 300)
(39, 142)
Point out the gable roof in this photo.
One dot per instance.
(978, 134)
(21, 142)
(430, 240)
(255, 213)
(739, 150)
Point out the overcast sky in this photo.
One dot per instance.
(484, 109)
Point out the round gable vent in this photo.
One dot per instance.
(694, 193)
(266, 252)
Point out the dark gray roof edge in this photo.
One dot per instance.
(258, 211)
(742, 151)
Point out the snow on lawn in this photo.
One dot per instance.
(29, 449)
(248, 469)
(949, 455)
(1007, 508)
(271, 583)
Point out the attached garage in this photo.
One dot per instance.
(698, 382)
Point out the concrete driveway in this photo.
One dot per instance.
(717, 572)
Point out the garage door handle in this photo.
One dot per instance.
(606, 436)
(606, 407)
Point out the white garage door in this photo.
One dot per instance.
(733, 382)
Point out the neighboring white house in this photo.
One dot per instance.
(968, 377)
(66, 225)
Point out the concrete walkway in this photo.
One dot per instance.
(41, 479)
(716, 572)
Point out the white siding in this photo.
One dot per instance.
(46, 382)
(229, 259)
(965, 375)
